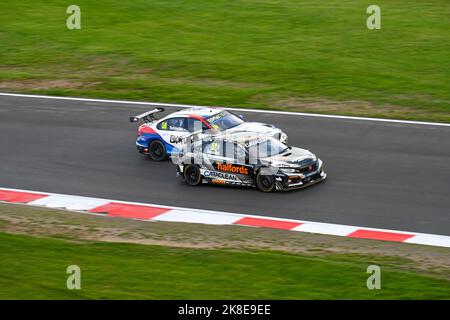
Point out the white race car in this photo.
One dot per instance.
(160, 138)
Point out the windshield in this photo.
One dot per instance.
(224, 120)
(268, 147)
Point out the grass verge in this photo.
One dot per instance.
(235, 262)
(281, 54)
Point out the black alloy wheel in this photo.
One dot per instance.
(157, 151)
(264, 182)
(192, 175)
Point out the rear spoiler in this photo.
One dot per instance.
(147, 116)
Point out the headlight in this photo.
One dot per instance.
(288, 170)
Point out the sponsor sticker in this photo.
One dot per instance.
(216, 117)
(220, 175)
(228, 167)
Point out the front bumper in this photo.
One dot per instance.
(318, 177)
(285, 182)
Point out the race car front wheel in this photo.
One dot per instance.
(157, 150)
(264, 182)
(192, 175)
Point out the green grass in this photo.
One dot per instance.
(278, 54)
(34, 268)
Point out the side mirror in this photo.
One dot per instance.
(241, 116)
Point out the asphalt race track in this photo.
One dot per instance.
(382, 175)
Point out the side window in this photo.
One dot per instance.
(195, 125)
(163, 125)
(172, 124)
(213, 148)
(239, 153)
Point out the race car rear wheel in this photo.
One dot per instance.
(264, 182)
(157, 151)
(192, 175)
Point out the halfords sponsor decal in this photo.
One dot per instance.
(228, 167)
(220, 175)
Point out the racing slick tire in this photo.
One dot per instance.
(264, 182)
(157, 150)
(192, 175)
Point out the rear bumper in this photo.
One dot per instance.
(142, 149)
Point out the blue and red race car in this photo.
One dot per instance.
(161, 138)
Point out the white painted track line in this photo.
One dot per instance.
(174, 105)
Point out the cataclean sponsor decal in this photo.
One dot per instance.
(220, 175)
(228, 167)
